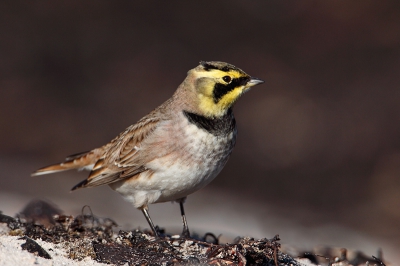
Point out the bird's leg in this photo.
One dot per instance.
(146, 214)
(185, 232)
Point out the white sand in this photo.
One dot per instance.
(11, 253)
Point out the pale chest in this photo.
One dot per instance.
(205, 148)
(197, 156)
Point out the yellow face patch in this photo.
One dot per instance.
(210, 108)
(218, 90)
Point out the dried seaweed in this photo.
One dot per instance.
(89, 236)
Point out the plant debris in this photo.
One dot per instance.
(89, 236)
(33, 247)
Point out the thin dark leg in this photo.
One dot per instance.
(146, 214)
(185, 232)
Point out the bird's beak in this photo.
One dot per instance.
(254, 81)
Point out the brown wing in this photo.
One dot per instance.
(122, 156)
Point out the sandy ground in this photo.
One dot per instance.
(294, 236)
(211, 209)
(11, 253)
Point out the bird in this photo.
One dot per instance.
(176, 149)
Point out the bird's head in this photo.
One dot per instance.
(217, 86)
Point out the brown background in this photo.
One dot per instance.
(318, 149)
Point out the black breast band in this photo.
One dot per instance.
(217, 126)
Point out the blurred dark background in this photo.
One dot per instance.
(318, 143)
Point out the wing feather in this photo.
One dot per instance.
(132, 146)
(122, 157)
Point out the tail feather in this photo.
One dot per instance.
(77, 161)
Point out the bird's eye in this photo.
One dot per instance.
(227, 79)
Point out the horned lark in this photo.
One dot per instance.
(176, 149)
